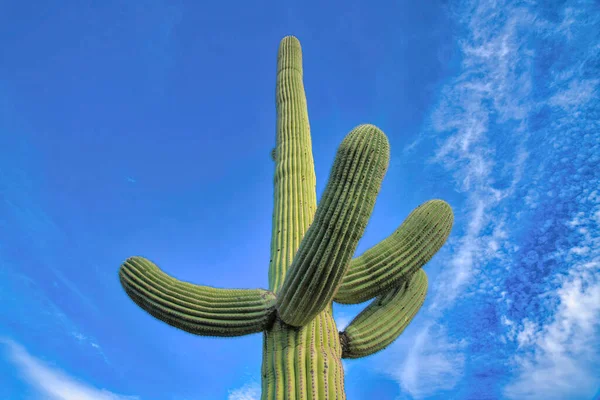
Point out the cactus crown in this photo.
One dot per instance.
(311, 262)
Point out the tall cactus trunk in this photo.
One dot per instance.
(311, 261)
(298, 363)
(303, 363)
(295, 196)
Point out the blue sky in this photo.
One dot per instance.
(145, 128)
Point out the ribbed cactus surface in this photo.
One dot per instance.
(311, 262)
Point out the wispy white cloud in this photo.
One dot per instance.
(51, 382)
(558, 358)
(494, 84)
(578, 92)
(562, 356)
(432, 364)
(81, 338)
(491, 98)
(250, 391)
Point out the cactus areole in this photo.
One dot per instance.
(311, 262)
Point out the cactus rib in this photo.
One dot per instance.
(342, 215)
(200, 310)
(378, 325)
(295, 193)
(393, 260)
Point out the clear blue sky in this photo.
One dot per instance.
(145, 128)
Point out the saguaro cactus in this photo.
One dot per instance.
(311, 260)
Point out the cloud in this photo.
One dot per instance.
(558, 357)
(483, 124)
(577, 93)
(432, 364)
(52, 383)
(250, 391)
(494, 84)
(563, 354)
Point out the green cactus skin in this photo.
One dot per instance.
(295, 195)
(397, 257)
(378, 325)
(201, 310)
(325, 252)
(311, 261)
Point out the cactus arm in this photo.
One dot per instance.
(200, 310)
(378, 325)
(295, 195)
(392, 261)
(342, 215)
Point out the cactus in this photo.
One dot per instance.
(311, 262)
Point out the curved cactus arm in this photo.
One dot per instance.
(390, 262)
(378, 325)
(200, 310)
(342, 215)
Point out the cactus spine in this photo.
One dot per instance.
(311, 261)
